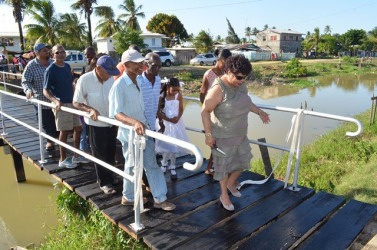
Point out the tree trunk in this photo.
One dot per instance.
(90, 31)
(21, 36)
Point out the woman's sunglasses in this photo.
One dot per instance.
(239, 78)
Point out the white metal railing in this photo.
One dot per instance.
(136, 145)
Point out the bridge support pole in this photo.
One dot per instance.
(266, 158)
(18, 165)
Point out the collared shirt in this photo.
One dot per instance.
(33, 79)
(151, 95)
(92, 92)
(125, 98)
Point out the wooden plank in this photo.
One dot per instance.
(341, 230)
(103, 201)
(266, 158)
(24, 140)
(69, 173)
(88, 191)
(27, 144)
(81, 180)
(226, 234)
(18, 165)
(294, 225)
(193, 204)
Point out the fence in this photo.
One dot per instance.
(254, 56)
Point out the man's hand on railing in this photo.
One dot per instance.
(139, 128)
(29, 95)
(94, 114)
(58, 104)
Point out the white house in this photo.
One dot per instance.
(10, 40)
(152, 40)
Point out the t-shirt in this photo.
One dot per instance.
(59, 79)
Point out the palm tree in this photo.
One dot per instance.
(86, 6)
(248, 32)
(327, 30)
(108, 25)
(316, 39)
(19, 6)
(133, 12)
(71, 31)
(43, 12)
(254, 32)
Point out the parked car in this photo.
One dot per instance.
(76, 59)
(166, 57)
(207, 59)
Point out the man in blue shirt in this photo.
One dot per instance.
(127, 105)
(58, 88)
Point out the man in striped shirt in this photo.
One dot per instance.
(32, 82)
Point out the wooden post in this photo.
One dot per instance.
(18, 165)
(265, 158)
(1, 142)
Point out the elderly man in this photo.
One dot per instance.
(32, 83)
(58, 88)
(90, 54)
(92, 96)
(127, 106)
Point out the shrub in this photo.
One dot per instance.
(348, 59)
(294, 68)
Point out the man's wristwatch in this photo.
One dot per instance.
(207, 134)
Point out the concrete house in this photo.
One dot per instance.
(10, 41)
(278, 41)
(152, 40)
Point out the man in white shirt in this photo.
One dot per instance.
(92, 96)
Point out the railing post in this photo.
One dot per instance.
(294, 187)
(41, 147)
(5, 86)
(2, 117)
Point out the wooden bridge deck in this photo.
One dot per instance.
(266, 217)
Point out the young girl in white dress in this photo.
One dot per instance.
(170, 123)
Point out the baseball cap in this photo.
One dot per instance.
(132, 55)
(109, 65)
(39, 46)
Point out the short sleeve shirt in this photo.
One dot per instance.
(59, 79)
(125, 98)
(151, 94)
(92, 92)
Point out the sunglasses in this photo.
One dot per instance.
(239, 78)
(60, 52)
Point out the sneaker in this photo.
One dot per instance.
(80, 159)
(108, 189)
(163, 169)
(67, 163)
(166, 206)
(125, 202)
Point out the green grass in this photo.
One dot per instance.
(338, 164)
(81, 226)
(301, 83)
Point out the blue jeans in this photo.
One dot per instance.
(154, 174)
(48, 122)
(84, 137)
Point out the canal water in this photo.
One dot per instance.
(28, 210)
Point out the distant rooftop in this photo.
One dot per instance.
(284, 31)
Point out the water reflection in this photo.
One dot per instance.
(345, 95)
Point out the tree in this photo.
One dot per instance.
(373, 32)
(355, 37)
(265, 27)
(19, 7)
(203, 42)
(327, 30)
(170, 26)
(248, 32)
(86, 7)
(316, 38)
(255, 31)
(43, 12)
(72, 33)
(132, 14)
(219, 39)
(107, 25)
(232, 36)
(125, 37)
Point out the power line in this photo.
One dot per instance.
(205, 6)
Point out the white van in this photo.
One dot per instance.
(76, 59)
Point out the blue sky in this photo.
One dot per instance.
(209, 15)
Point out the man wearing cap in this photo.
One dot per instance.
(58, 88)
(127, 105)
(32, 83)
(92, 96)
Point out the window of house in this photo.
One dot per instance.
(153, 41)
(291, 38)
(296, 38)
(264, 38)
(284, 37)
